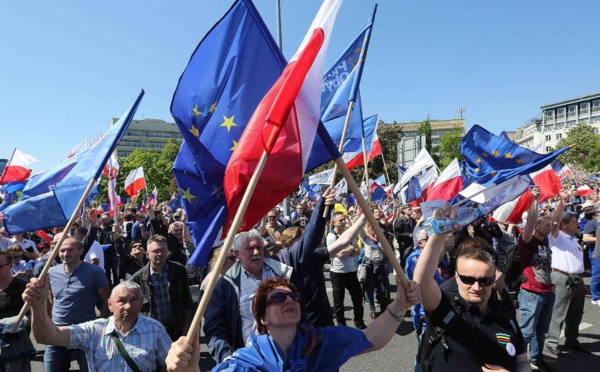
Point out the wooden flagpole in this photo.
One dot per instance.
(226, 246)
(54, 252)
(366, 161)
(340, 147)
(373, 222)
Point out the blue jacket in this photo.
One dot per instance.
(222, 320)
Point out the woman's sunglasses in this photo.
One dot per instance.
(483, 282)
(279, 297)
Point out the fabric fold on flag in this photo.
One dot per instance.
(17, 168)
(353, 154)
(50, 199)
(135, 182)
(286, 121)
(422, 161)
(448, 184)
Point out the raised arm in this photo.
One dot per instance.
(532, 215)
(558, 212)
(347, 237)
(431, 294)
(382, 329)
(313, 234)
(44, 330)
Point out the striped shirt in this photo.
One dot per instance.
(248, 288)
(147, 343)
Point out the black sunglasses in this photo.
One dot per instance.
(279, 297)
(483, 282)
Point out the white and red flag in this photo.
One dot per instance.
(153, 197)
(135, 182)
(112, 170)
(448, 184)
(585, 190)
(283, 125)
(17, 168)
(79, 148)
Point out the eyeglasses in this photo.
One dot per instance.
(158, 251)
(483, 282)
(279, 297)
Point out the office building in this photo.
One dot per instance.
(146, 134)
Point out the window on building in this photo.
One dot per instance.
(571, 123)
(595, 119)
(548, 148)
(572, 108)
(584, 121)
(548, 137)
(548, 128)
(558, 136)
(596, 105)
(560, 125)
(583, 106)
(549, 114)
(560, 110)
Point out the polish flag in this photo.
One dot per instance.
(448, 184)
(283, 125)
(585, 190)
(153, 197)
(112, 170)
(17, 168)
(549, 185)
(356, 158)
(135, 182)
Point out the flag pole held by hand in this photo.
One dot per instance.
(340, 147)
(226, 246)
(373, 222)
(54, 252)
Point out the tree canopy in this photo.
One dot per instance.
(586, 152)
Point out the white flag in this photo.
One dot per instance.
(422, 161)
(341, 188)
(322, 178)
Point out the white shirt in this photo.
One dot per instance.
(340, 265)
(567, 254)
(95, 252)
(25, 243)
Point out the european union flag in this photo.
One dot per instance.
(413, 191)
(51, 198)
(491, 159)
(229, 73)
(377, 193)
(351, 200)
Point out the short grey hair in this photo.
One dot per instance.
(242, 238)
(126, 284)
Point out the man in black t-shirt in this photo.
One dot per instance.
(11, 288)
(477, 330)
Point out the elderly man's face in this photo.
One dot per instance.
(125, 304)
(251, 256)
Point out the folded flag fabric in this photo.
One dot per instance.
(284, 126)
(17, 168)
(51, 198)
(135, 182)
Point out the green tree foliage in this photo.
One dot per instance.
(586, 152)
(450, 147)
(425, 129)
(158, 170)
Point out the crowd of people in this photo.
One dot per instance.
(120, 294)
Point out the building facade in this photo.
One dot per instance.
(438, 128)
(542, 135)
(147, 134)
